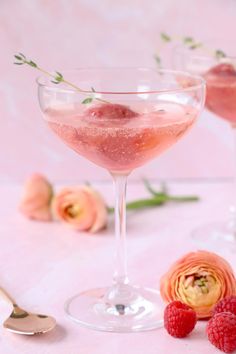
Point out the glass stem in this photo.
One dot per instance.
(233, 203)
(120, 273)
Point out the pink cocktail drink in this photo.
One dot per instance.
(125, 140)
(121, 119)
(219, 72)
(221, 91)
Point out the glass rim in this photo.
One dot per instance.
(182, 48)
(199, 84)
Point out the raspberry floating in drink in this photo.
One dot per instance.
(111, 111)
(221, 91)
(118, 138)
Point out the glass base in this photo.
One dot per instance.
(130, 309)
(215, 232)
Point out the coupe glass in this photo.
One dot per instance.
(135, 115)
(220, 76)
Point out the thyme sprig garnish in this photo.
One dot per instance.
(58, 78)
(220, 54)
(165, 37)
(190, 43)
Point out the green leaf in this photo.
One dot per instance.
(87, 100)
(18, 57)
(93, 89)
(18, 63)
(32, 63)
(58, 79)
(22, 55)
(55, 82)
(157, 59)
(219, 54)
(188, 40)
(195, 46)
(165, 37)
(59, 75)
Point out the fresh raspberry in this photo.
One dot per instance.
(228, 304)
(111, 111)
(221, 331)
(179, 319)
(223, 69)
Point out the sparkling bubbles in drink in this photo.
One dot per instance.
(118, 137)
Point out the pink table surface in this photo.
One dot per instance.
(42, 264)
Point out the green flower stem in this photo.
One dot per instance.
(153, 192)
(189, 198)
(158, 200)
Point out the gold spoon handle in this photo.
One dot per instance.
(6, 296)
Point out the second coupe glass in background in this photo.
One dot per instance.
(134, 116)
(220, 75)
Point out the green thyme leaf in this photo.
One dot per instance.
(32, 63)
(59, 75)
(87, 100)
(188, 40)
(157, 59)
(18, 57)
(219, 54)
(195, 46)
(22, 55)
(58, 78)
(165, 37)
(18, 63)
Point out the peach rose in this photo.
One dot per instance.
(199, 279)
(82, 207)
(36, 200)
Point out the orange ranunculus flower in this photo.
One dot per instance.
(82, 207)
(199, 279)
(36, 199)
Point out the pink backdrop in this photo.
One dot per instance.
(76, 33)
